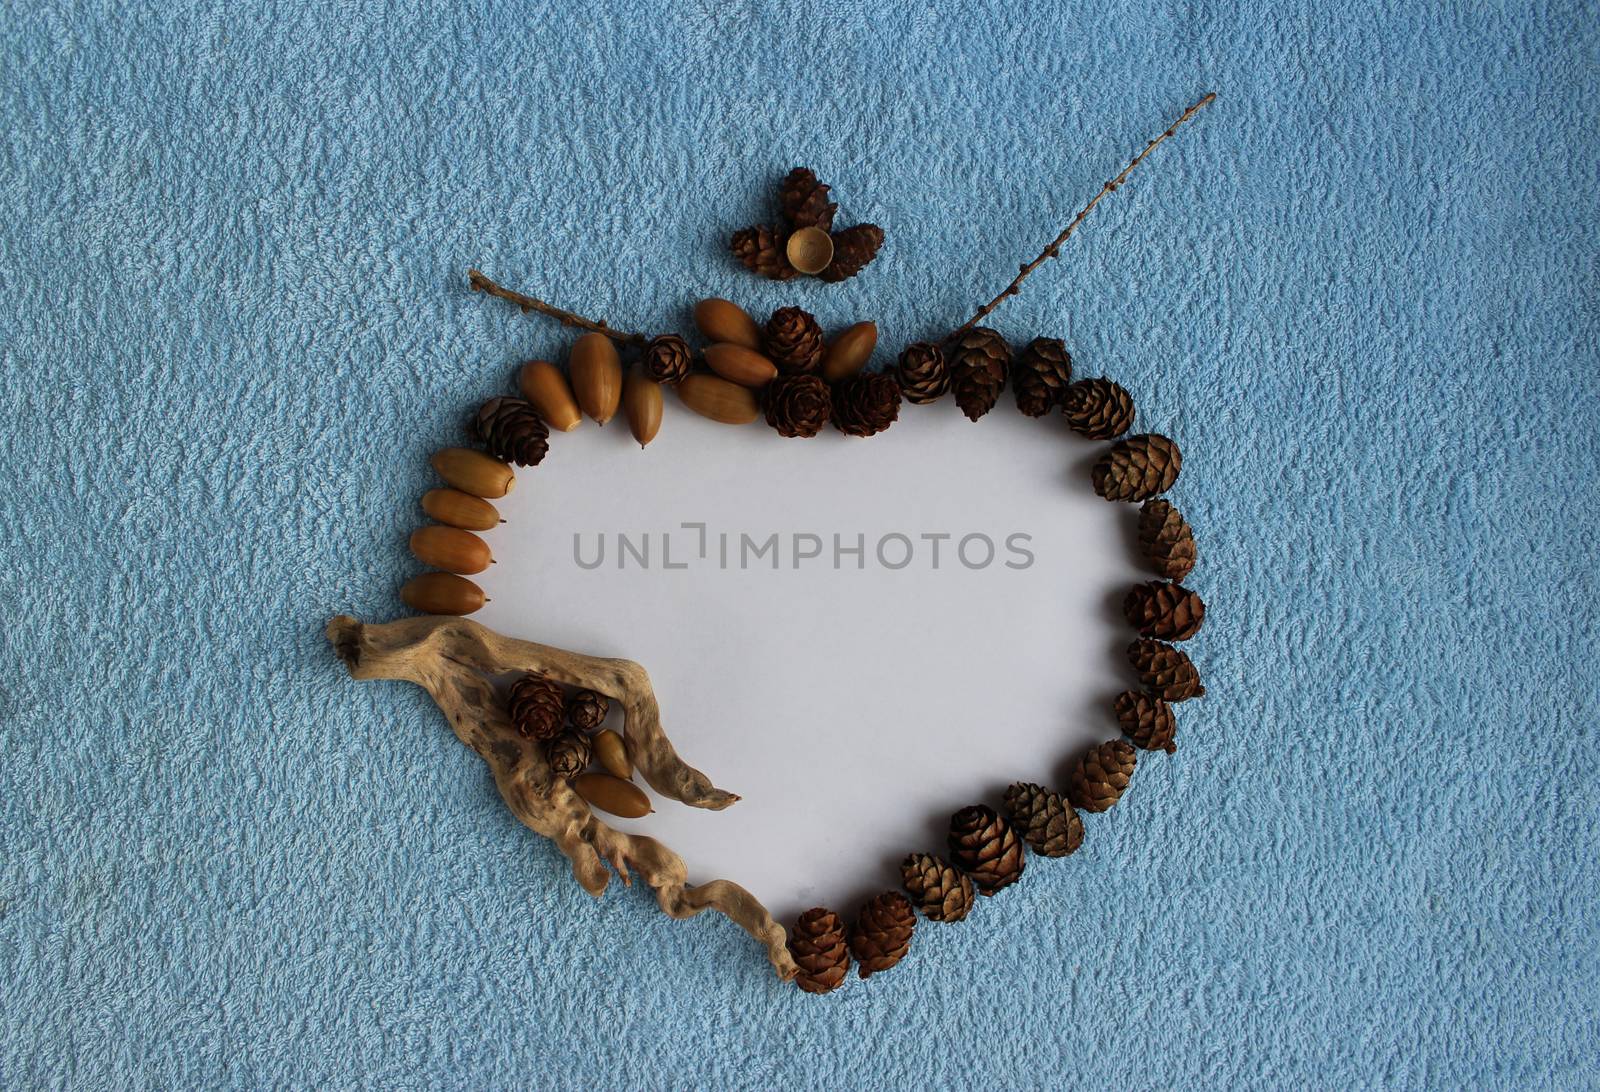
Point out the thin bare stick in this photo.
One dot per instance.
(1054, 248)
(480, 283)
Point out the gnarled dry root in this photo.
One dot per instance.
(453, 660)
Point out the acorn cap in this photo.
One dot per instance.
(810, 250)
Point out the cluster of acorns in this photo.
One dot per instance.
(563, 721)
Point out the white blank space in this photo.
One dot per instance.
(853, 710)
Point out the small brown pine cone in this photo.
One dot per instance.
(1166, 540)
(1167, 612)
(805, 200)
(1137, 468)
(924, 376)
(1045, 820)
(512, 431)
(1166, 672)
(853, 250)
(1101, 776)
(818, 946)
(1147, 720)
(985, 847)
(1040, 375)
(941, 890)
(864, 405)
(666, 359)
(1097, 409)
(797, 405)
(760, 250)
(881, 935)
(979, 361)
(568, 754)
(536, 707)
(794, 341)
(586, 710)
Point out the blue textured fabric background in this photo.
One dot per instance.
(1361, 291)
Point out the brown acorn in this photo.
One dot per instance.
(1165, 540)
(1137, 468)
(442, 593)
(535, 706)
(1046, 821)
(1040, 375)
(804, 200)
(924, 375)
(865, 405)
(985, 847)
(797, 405)
(941, 891)
(1101, 776)
(794, 341)
(881, 935)
(461, 510)
(1167, 672)
(1167, 612)
(760, 250)
(568, 754)
(817, 943)
(586, 710)
(1097, 409)
(1147, 720)
(853, 250)
(512, 430)
(642, 406)
(979, 362)
(666, 359)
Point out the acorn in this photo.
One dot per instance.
(714, 397)
(612, 751)
(450, 549)
(641, 403)
(737, 364)
(725, 321)
(848, 353)
(543, 384)
(461, 510)
(474, 472)
(596, 376)
(613, 794)
(442, 593)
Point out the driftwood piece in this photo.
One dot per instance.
(453, 659)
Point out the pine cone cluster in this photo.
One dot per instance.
(794, 341)
(853, 250)
(817, 943)
(797, 405)
(1046, 821)
(1137, 468)
(924, 375)
(984, 846)
(1166, 540)
(512, 431)
(568, 754)
(941, 891)
(1147, 720)
(760, 250)
(1166, 672)
(979, 362)
(864, 405)
(536, 706)
(805, 203)
(1101, 776)
(1167, 612)
(1097, 409)
(666, 359)
(586, 710)
(881, 935)
(1040, 376)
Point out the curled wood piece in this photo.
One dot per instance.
(453, 659)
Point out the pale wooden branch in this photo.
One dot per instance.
(453, 659)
